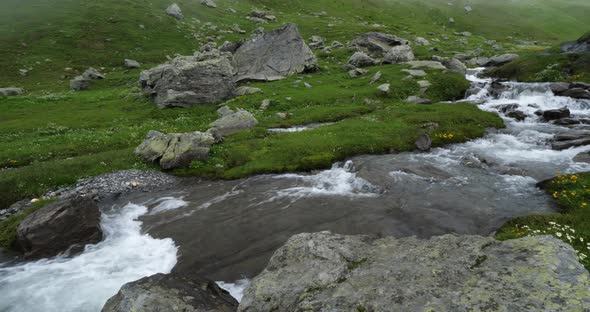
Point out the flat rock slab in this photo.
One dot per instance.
(330, 272)
(426, 64)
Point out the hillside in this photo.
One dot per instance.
(48, 36)
(53, 136)
(272, 155)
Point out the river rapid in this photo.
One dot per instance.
(227, 230)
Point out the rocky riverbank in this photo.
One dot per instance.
(103, 186)
(330, 272)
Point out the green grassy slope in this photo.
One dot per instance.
(48, 36)
(52, 136)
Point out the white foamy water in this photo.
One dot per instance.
(167, 203)
(300, 128)
(525, 143)
(338, 181)
(235, 289)
(85, 282)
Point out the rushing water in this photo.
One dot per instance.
(85, 282)
(227, 230)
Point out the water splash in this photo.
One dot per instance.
(86, 281)
(235, 289)
(338, 181)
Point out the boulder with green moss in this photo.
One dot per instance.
(330, 272)
(175, 150)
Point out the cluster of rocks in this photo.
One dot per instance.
(319, 43)
(261, 17)
(11, 91)
(375, 47)
(331, 272)
(576, 90)
(211, 76)
(176, 150)
(83, 81)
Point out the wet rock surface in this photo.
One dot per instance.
(171, 292)
(330, 272)
(65, 225)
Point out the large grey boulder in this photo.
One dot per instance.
(377, 44)
(174, 11)
(330, 272)
(175, 150)
(11, 91)
(232, 121)
(399, 54)
(273, 55)
(500, 60)
(65, 225)
(204, 78)
(171, 292)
